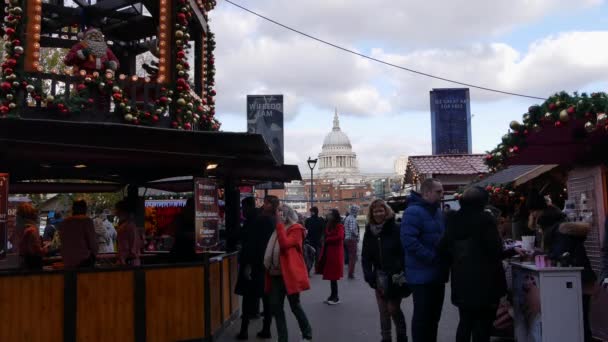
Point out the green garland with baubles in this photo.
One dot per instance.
(560, 110)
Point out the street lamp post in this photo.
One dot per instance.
(311, 164)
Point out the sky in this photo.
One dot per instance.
(534, 47)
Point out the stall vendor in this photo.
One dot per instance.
(78, 239)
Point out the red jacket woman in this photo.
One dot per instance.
(286, 272)
(332, 254)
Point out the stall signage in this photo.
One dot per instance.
(3, 214)
(207, 213)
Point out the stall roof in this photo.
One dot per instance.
(127, 154)
(516, 174)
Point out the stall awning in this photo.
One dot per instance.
(127, 154)
(516, 174)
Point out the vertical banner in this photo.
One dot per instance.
(3, 214)
(451, 121)
(265, 117)
(206, 213)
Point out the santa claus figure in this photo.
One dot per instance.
(91, 54)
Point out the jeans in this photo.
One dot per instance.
(475, 323)
(391, 308)
(277, 302)
(351, 248)
(428, 304)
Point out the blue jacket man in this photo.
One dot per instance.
(422, 228)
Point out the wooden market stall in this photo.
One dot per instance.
(570, 131)
(98, 124)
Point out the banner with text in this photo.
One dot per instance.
(451, 121)
(206, 213)
(3, 215)
(265, 117)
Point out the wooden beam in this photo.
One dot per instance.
(199, 16)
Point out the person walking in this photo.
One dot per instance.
(250, 281)
(473, 249)
(78, 239)
(315, 226)
(332, 255)
(382, 260)
(287, 274)
(421, 229)
(565, 242)
(351, 239)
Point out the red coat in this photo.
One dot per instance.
(333, 252)
(293, 267)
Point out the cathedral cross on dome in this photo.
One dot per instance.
(336, 121)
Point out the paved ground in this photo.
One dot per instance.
(356, 319)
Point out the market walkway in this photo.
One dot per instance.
(354, 320)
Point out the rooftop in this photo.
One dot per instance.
(453, 164)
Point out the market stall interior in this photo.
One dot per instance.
(97, 123)
(558, 151)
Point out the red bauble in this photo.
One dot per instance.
(9, 31)
(181, 54)
(147, 114)
(515, 149)
(117, 96)
(11, 63)
(91, 101)
(181, 81)
(571, 110)
(60, 106)
(4, 109)
(199, 108)
(526, 132)
(182, 18)
(488, 156)
(155, 118)
(180, 88)
(16, 42)
(6, 86)
(136, 122)
(187, 126)
(488, 188)
(213, 93)
(8, 71)
(81, 87)
(558, 124)
(163, 99)
(552, 106)
(65, 111)
(38, 98)
(174, 124)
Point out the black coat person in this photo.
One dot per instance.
(255, 233)
(473, 250)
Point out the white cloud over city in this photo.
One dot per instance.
(467, 40)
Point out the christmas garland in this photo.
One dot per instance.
(13, 79)
(560, 110)
(188, 110)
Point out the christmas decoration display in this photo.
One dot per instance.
(13, 80)
(560, 110)
(95, 66)
(91, 54)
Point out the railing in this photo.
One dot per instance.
(139, 92)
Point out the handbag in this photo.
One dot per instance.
(393, 285)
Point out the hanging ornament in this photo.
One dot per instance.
(18, 50)
(50, 98)
(602, 118)
(552, 106)
(564, 116)
(129, 117)
(558, 124)
(536, 128)
(30, 88)
(571, 110)
(511, 193)
(589, 127)
(181, 102)
(514, 125)
(179, 34)
(548, 116)
(9, 97)
(12, 105)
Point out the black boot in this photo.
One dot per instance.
(244, 333)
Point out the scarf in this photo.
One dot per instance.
(271, 256)
(375, 228)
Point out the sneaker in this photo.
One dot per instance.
(333, 301)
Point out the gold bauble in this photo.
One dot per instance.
(159, 111)
(179, 42)
(116, 89)
(129, 117)
(179, 34)
(548, 116)
(102, 85)
(16, 84)
(50, 98)
(190, 105)
(602, 118)
(12, 105)
(589, 127)
(122, 105)
(181, 101)
(514, 125)
(9, 97)
(179, 67)
(563, 116)
(181, 73)
(88, 80)
(127, 109)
